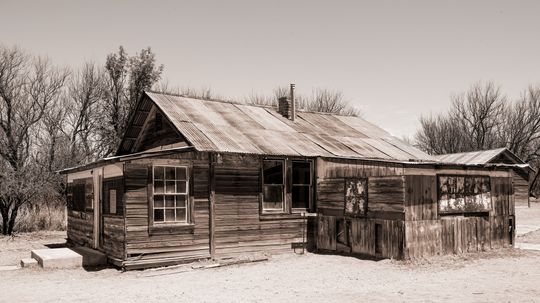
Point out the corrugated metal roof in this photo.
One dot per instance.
(475, 157)
(238, 128)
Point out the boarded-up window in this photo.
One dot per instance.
(458, 194)
(113, 191)
(301, 184)
(273, 183)
(170, 194)
(355, 197)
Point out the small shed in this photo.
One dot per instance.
(195, 179)
(522, 173)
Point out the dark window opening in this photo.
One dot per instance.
(301, 184)
(80, 195)
(378, 238)
(273, 184)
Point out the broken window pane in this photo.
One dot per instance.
(458, 194)
(355, 197)
(158, 215)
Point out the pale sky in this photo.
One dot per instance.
(394, 60)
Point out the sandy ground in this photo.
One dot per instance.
(506, 275)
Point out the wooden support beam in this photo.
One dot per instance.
(212, 196)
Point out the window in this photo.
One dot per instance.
(80, 194)
(273, 184)
(460, 194)
(113, 192)
(355, 197)
(170, 194)
(301, 184)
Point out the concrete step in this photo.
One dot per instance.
(29, 263)
(57, 258)
(91, 257)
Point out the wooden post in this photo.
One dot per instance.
(212, 193)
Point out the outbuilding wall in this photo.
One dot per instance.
(429, 233)
(378, 233)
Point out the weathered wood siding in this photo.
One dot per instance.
(239, 226)
(160, 245)
(80, 227)
(151, 136)
(427, 233)
(80, 223)
(113, 236)
(385, 207)
(521, 187)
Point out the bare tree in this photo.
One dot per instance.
(28, 87)
(321, 100)
(85, 97)
(482, 118)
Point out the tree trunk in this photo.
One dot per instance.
(4, 212)
(11, 222)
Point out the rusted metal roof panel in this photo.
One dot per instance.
(228, 127)
(475, 157)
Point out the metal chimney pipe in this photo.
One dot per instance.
(293, 103)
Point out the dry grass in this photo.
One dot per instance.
(34, 219)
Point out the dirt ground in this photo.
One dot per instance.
(506, 275)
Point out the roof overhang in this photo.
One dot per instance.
(123, 158)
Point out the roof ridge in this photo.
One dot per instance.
(235, 102)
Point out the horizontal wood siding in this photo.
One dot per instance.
(385, 207)
(114, 236)
(157, 245)
(80, 227)
(239, 227)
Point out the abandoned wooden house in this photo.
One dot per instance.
(196, 179)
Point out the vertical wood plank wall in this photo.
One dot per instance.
(385, 207)
(428, 234)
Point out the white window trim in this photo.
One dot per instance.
(187, 207)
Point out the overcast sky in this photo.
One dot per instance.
(394, 60)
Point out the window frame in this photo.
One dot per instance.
(283, 209)
(463, 212)
(310, 185)
(189, 217)
(288, 211)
